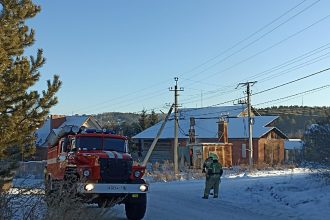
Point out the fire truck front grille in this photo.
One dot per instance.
(115, 170)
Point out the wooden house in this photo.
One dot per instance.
(268, 142)
(53, 125)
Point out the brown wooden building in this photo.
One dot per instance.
(53, 124)
(268, 142)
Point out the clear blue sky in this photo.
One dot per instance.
(123, 55)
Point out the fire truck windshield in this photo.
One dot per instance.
(101, 143)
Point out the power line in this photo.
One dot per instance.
(293, 81)
(274, 100)
(94, 106)
(262, 36)
(297, 114)
(248, 37)
(297, 94)
(291, 61)
(243, 60)
(307, 63)
(270, 47)
(310, 75)
(263, 73)
(296, 33)
(136, 92)
(127, 103)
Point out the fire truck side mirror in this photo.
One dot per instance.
(61, 158)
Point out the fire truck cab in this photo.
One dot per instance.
(101, 167)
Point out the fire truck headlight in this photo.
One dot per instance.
(144, 188)
(89, 187)
(137, 173)
(86, 173)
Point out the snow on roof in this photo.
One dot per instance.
(316, 128)
(292, 144)
(206, 124)
(209, 112)
(75, 120)
(44, 131)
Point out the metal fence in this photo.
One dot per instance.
(31, 169)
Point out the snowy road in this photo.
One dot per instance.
(182, 200)
(278, 194)
(267, 195)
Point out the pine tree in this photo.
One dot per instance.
(22, 109)
(316, 142)
(153, 118)
(143, 120)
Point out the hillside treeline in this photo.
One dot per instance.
(293, 120)
(128, 124)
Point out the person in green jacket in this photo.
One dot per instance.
(213, 170)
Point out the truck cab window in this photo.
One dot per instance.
(115, 144)
(63, 148)
(64, 145)
(73, 144)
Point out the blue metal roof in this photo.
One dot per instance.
(209, 112)
(206, 124)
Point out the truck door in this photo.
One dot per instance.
(61, 160)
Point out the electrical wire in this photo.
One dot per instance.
(268, 48)
(293, 81)
(297, 94)
(251, 35)
(248, 37)
(266, 72)
(127, 104)
(269, 89)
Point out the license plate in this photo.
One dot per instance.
(117, 188)
(135, 195)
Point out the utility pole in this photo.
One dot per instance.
(145, 161)
(176, 126)
(250, 120)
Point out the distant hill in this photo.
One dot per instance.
(294, 119)
(116, 118)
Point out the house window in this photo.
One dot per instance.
(243, 150)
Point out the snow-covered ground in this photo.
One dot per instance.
(295, 194)
(287, 194)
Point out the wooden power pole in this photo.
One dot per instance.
(250, 119)
(144, 163)
(176, 125)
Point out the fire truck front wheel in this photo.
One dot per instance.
(51, 192)
(49, 186)
(136, 210)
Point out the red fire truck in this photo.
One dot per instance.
(100, 164)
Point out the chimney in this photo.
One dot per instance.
(223, 130)
(50, 123)
(192, 134)
(56, 121)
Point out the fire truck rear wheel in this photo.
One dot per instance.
(136, 211)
